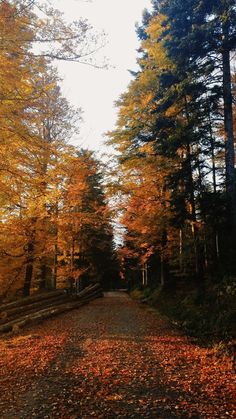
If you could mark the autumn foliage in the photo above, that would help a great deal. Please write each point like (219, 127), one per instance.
(175, 155)
(54, 219)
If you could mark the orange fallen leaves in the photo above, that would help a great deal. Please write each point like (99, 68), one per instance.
(113, 361)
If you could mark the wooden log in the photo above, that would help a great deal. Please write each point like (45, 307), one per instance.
(48, 312)
(43, 316)
(32, 299)
(16, 311)
(89, 289)
(40, 297)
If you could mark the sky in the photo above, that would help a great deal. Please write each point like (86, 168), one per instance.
(96, 90)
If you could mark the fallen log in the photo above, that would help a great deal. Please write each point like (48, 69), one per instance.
(44, 315)
(40, 297)
(88, 290)
(31, 299)
(93, 292)
(16, 311)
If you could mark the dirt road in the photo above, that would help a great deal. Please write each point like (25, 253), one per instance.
(113, 358)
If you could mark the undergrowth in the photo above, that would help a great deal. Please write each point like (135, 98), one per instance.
(208, 314)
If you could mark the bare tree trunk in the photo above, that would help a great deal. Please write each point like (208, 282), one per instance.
(192, 200)
(30, 248)
(214, 183)
(55, 256)
(228, 126)
(181, 249)
(217, 246)
(144, 271)
(43, 273)
(162, 271)
(146, 274)
(193, 213)
(143, 277)
(213, 159)
(54, 273)
(29, 269)
(72, 257)
(204, 221)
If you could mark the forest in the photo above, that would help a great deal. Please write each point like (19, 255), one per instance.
(170, 187)
(55, 221)
(175, 177)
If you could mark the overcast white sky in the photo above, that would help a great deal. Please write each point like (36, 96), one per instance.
(93, 89)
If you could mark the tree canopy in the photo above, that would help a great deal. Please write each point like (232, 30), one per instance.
(175, 143)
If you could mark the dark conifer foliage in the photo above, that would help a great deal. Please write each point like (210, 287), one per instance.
(175, 130)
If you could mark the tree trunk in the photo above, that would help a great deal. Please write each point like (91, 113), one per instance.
(192, 200)
(146, 274)
(212, 148)
(55, 261)
(43, 274)
(228, 126)
(143, 276)
(193, 213)
(29, 269)
(162, 272)
(72, 257)
(181, 250)
(55, 256)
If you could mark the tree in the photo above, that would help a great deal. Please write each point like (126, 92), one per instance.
(47, 35)
(146, 216)
(85, 242)
(174, 104)
(36, 121)
(203, 33)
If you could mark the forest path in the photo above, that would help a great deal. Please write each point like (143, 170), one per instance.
(113, 358)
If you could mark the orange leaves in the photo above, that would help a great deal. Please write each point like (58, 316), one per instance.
(40, 175)
(147, 211)
(115, 358)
